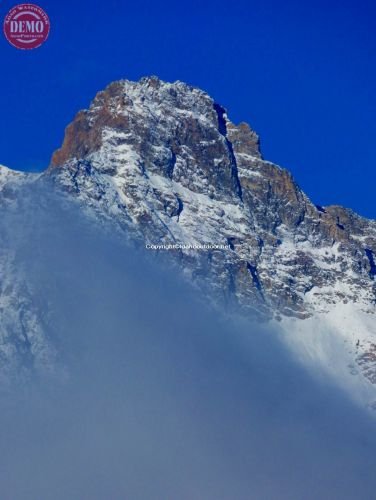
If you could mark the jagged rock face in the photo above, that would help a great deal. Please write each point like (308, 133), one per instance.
(172, 131)
(165, 161)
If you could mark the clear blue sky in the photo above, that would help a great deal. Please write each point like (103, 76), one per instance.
(303, 74)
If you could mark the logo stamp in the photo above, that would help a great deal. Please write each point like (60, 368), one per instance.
(26, 26)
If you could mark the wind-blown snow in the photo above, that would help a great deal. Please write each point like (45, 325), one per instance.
(160, 397)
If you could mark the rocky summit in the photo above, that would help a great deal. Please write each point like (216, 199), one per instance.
(164, 163)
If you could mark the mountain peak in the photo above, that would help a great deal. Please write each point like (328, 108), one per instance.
(180, 170)
(126, 106)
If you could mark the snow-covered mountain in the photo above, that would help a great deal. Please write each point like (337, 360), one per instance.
(164, 164)
(24, 337)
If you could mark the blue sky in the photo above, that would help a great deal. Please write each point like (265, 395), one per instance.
(303, 74)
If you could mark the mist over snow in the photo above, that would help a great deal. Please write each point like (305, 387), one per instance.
(149, 393)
